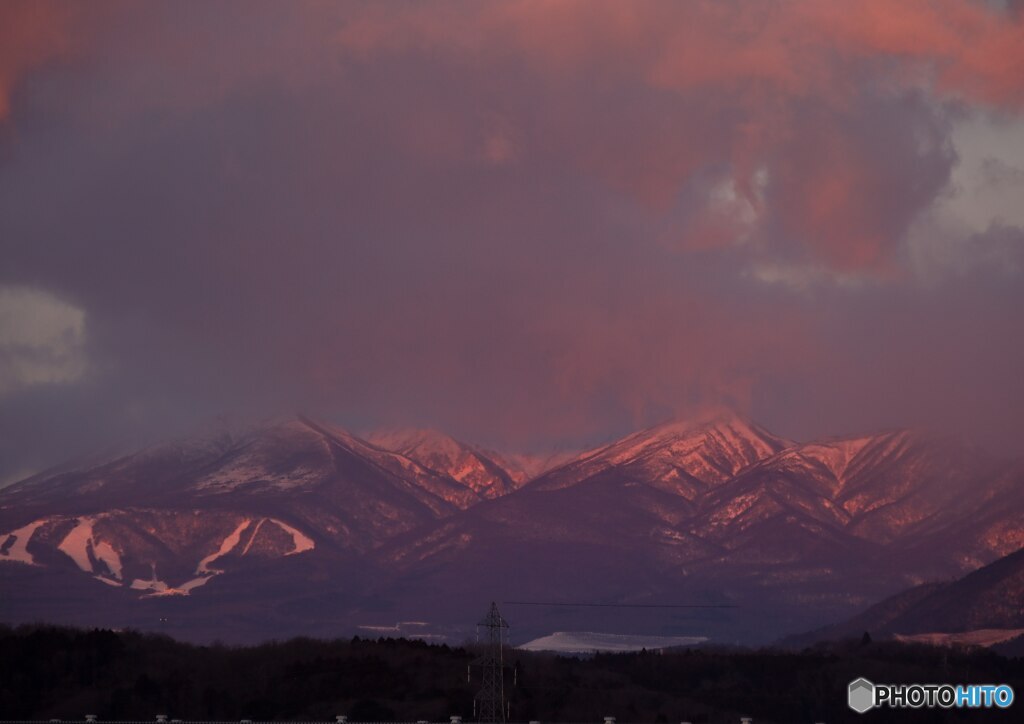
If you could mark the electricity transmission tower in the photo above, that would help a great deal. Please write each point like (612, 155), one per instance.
(489, 703)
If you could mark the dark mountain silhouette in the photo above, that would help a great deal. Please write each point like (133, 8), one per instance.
(988, 599)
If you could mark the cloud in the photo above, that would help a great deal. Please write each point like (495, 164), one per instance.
(999, 249)
(518, 221)
(840, 108)
(999, 174)
(42, 340)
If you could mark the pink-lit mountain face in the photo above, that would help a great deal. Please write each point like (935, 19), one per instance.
(301, 527)
(488, 474)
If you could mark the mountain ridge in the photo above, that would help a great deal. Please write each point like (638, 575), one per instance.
(717, 509)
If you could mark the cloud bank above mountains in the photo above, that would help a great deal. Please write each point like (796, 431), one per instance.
(529, 223)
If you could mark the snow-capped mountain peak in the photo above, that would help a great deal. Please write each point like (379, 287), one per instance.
(724, 433)
(297, 505)
(682, 456)
(484, 473)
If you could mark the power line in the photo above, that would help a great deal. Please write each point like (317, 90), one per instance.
(620, 605)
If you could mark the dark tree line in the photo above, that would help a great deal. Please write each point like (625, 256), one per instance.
(48, 672)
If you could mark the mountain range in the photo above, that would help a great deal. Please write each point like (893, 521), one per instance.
(714, 527)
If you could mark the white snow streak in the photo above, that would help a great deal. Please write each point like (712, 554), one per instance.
(578, 642)
(81, 541)
(301, 541)
(87, 551)
(76, 544)
(252, 538)
(226, 546)
(105, 553)
(183, 590)
(19, 549)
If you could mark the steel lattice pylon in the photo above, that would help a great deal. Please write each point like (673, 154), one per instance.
(489, 703)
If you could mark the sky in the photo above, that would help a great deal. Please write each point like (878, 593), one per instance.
(533, 224)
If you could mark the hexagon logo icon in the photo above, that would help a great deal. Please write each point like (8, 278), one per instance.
(861, 695)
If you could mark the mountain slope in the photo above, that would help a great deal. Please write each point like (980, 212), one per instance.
(991, 597)
(724, 511)
(486, 474)
(296, 453)
(682, 458)
(168, 519)
(903, 491)
(157, 552)
(334, 532)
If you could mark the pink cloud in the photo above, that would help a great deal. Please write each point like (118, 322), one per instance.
(31, 34)
(737, 79)
(516, 220)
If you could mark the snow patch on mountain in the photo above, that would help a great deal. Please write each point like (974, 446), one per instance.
(256, 460)
(105, 553)
(83, 547)
(157, 588)
(247, 472)
(90, 547)
(17, 549)
(75, 544)
(205, 571)
(687, 440)
(252, 538)
(684, 458)
(226, 546)
(485, 474)
(836, 455)
(524, 467)
(300, 540)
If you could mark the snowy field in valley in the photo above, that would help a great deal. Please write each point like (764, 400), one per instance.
(584, 642)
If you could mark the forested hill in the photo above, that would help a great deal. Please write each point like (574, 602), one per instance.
(48, 672)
